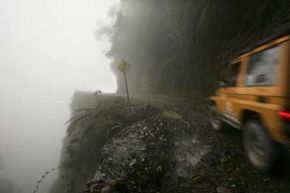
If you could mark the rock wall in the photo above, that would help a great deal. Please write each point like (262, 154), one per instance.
(180, 47)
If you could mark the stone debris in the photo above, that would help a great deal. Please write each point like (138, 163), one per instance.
(140, 149)
(223, 190)
(143, 156)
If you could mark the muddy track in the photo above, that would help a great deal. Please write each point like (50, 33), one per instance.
(185, 105)
(159, 144)
(225, 165)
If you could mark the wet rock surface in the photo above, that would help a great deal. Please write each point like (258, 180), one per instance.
(175, 150)
(144, 158)
(161, 147)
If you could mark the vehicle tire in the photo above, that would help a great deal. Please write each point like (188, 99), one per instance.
(261, 150)
(215, 118)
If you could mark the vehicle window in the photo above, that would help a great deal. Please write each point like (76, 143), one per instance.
(234, 73)
(261, 69)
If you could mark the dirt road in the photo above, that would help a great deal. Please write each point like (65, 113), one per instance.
(225, 164)
(158, 144)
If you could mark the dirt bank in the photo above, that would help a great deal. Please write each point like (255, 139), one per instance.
(160, 144)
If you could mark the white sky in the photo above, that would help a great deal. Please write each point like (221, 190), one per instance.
(47, 51)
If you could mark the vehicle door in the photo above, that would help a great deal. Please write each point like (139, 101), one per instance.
(231, 94)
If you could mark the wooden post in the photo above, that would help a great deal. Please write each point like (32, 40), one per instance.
(127, 89)
(124, 68)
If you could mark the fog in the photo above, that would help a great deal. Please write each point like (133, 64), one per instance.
(47, 51)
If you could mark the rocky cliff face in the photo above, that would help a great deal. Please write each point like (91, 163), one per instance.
(180, 47)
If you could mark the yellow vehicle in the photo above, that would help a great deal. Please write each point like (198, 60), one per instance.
(255, 97)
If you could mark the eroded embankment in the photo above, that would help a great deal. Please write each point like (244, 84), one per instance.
(163, 145)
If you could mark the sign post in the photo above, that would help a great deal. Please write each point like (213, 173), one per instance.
(124, 68)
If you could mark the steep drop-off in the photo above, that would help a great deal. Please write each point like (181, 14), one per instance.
(181, 47)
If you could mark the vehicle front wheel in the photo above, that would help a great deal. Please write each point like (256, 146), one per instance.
(261, 150)
(215, 119)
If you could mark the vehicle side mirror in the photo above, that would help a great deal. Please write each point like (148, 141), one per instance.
(222, 84)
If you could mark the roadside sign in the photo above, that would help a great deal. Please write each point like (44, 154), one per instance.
(124, 68)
